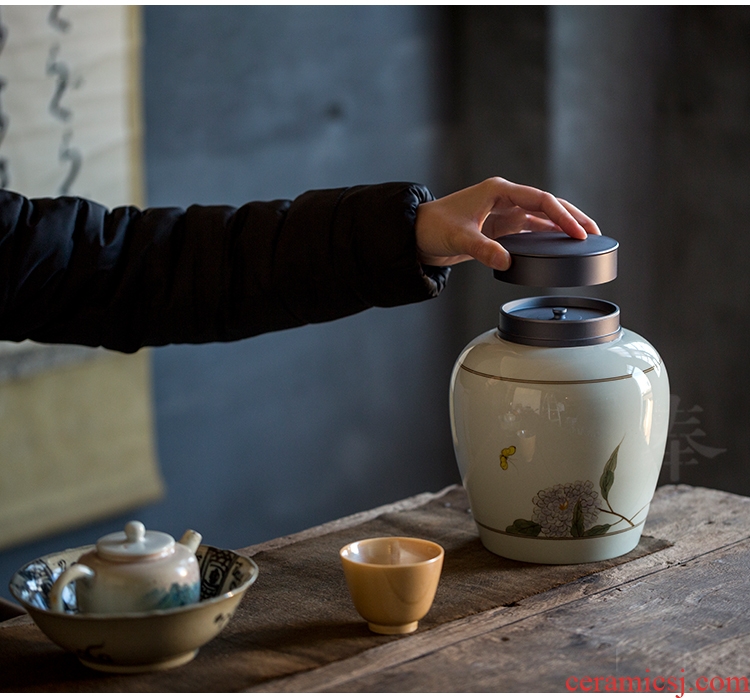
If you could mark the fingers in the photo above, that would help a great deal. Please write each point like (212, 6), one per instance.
(490, 253)
(539, 224)
(567, 217)
(588, 224)
(516, 221)
(549, 205)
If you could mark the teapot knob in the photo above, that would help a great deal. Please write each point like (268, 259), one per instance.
(135, 531)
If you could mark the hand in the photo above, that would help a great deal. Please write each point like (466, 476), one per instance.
(464, 225)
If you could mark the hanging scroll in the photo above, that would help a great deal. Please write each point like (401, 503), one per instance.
(76, 439)
(68, 102)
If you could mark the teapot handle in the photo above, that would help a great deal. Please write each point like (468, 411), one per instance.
(70, 575)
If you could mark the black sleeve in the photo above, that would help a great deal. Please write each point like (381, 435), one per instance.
(72, 271)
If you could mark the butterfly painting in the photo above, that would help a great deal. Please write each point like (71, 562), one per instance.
(504, 455)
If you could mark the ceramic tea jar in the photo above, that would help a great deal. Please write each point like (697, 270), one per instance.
(133, 571)
(560, 415)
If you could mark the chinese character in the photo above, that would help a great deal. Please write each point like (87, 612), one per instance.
(64, 80)
(684, 430)
(4, 120)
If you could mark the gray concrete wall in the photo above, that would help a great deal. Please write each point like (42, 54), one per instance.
(650, 133)
(702, 290)
(283, 431)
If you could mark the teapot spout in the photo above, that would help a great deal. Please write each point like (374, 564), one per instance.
(191, 540)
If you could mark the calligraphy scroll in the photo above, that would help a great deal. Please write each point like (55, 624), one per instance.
(76, 434)
(68, 102)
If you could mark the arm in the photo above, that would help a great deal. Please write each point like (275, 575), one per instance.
(73, 272)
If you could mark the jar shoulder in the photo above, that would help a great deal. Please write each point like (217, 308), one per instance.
(491, 356)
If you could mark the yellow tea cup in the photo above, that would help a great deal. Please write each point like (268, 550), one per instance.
(392, 581)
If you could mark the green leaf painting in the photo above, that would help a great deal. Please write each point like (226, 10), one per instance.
(577, 527)
(608, 476)
(599, 530)
(607, 480)
(523, 527)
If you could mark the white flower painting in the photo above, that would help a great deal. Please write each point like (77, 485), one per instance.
(572, 509)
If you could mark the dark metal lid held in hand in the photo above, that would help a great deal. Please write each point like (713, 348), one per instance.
(559, 321)
(557, 260)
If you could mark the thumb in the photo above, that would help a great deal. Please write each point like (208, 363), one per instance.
(489, 252)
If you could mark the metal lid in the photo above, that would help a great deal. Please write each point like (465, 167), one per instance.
(559, 321)
(133, 543)
(554, 259)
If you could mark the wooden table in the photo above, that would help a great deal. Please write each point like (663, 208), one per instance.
(676, 615)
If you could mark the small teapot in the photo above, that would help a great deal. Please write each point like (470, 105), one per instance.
(133, 571)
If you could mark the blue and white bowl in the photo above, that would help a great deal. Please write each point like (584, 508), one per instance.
(135, 642)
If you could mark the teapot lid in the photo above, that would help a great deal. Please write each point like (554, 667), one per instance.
(133, 543)
(559, 321)
(554, 259)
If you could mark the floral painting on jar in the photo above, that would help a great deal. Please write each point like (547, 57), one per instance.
(572, 509)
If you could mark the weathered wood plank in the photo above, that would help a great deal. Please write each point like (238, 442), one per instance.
(667, 608)
(704, 524)
(676, 623)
